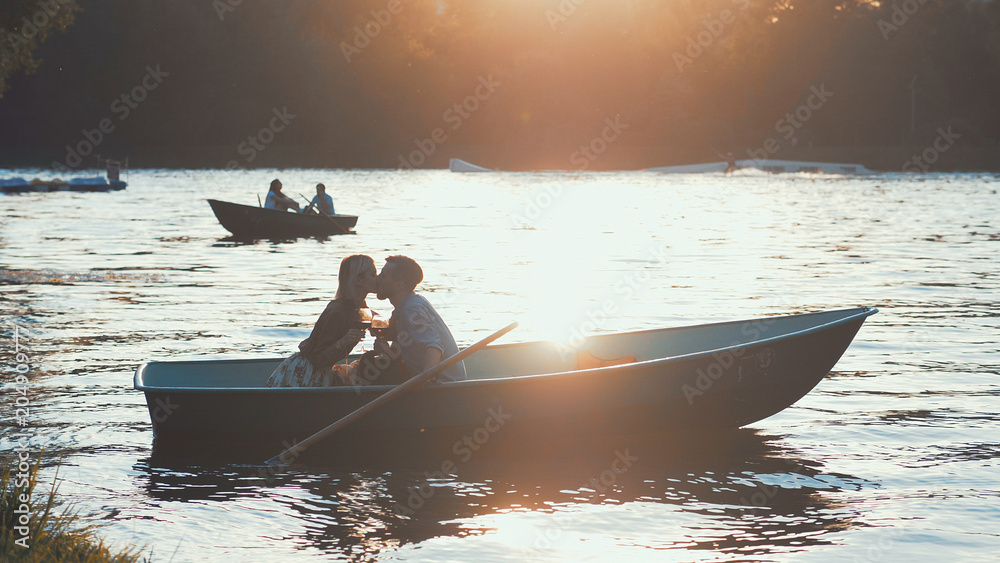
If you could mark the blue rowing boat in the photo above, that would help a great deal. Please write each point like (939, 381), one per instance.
(718, 375)
(246, 221)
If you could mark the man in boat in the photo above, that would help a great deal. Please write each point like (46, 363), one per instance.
(322, 202)
(419, 337)
(277, 200)
(114, 169)
(730, 163)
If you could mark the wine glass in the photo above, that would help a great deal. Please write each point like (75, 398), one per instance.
(378, 326)
(364, 323)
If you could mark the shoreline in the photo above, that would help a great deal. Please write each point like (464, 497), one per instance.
(515, 159)
(40, 525)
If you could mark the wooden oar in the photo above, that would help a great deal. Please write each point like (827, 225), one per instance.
(396, 392)
(319, 209)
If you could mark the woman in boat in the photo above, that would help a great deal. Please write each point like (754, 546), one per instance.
(336, 333)
(277, 200)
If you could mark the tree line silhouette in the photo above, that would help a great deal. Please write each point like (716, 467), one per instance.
(371, 81)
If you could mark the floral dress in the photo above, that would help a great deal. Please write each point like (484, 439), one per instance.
(320, 359)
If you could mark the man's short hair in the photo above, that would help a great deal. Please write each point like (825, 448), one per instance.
(407, 270)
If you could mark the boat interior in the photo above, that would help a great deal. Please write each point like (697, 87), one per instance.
(528, 358)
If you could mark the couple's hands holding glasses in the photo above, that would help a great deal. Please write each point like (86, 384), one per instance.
(376, 326)
(351, 338)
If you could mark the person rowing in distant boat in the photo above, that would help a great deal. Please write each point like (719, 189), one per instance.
(335, 334)
(730, 163)
(321, 201)
(277, 200)
(416, 339)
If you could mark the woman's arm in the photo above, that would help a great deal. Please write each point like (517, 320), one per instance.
(331, 339)
(339, 349)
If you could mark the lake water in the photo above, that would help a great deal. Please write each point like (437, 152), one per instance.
(893, 457)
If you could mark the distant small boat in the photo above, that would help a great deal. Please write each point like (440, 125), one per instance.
(459, 165)
(692, 168)
(718, 375)
(95, 184)
(774, 166)
(259, 222)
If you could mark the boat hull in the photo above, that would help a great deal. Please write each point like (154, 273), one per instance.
(773, 166)
(720, 387)
(89, 185)
(459, 165)
(246, 221)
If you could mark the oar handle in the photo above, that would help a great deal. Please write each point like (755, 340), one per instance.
(408, 385)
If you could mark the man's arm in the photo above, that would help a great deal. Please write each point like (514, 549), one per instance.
(308, 207)
(432, 357)
(424, 333)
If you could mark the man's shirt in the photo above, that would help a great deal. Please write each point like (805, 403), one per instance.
(419, 327)
(326, 205)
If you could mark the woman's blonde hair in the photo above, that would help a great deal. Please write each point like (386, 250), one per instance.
(350, 268)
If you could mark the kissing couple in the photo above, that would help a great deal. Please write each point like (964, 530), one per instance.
(415, 340)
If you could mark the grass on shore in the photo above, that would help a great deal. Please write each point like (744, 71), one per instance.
(55, 534)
